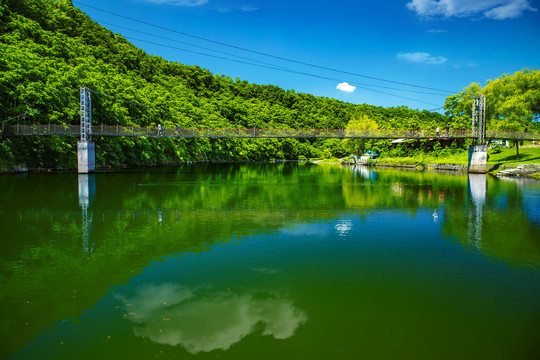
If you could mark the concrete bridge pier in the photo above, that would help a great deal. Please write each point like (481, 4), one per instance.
(477, 159)
(86, 157)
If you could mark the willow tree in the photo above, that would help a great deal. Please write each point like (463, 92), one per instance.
(359, 127)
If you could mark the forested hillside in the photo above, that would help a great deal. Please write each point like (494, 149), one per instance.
(49, 48)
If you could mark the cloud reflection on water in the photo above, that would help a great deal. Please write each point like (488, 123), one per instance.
(343, 227)
(204, 319)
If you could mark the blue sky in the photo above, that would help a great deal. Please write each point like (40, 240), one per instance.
(342, 49)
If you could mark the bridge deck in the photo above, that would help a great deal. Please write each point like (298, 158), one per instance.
(135, 131)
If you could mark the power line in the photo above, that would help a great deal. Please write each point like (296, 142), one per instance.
(363, 86)
(185, 43)
(269, 65)
(259, 52)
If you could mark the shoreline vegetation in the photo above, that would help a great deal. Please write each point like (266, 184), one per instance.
(500, 160)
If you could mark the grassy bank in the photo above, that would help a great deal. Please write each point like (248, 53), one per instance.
(497, 158)
(527, 155)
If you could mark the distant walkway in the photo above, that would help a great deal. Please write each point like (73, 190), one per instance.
(135, 131)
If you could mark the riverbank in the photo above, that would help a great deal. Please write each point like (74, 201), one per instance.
(501, 162)
(47, 154)
(528, 170)
(57, 155)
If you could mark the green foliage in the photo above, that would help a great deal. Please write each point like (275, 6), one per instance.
(459, 107)
(48, 49)
(513, 102)
(39, 152)
(356, 126)
(6, 154)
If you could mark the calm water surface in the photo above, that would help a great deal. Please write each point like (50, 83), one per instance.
(269, 261)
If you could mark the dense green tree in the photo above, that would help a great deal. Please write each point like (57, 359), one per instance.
(459, 107)
(358, 126)
(514, 100)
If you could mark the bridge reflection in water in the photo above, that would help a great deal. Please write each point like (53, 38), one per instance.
(476, 190)
(87, 195)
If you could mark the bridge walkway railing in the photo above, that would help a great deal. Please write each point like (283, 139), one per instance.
(136, 131)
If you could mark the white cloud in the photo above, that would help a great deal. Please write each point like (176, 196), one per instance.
(345, 87)
(437, 31)
(422, 58)
(468, 65)
(245, 8)
(248, 8)
(179, 2)
(494, 9)
(511, 10)
(202, 319)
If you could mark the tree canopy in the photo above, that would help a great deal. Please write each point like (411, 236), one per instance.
(513, 102)
(358, 146)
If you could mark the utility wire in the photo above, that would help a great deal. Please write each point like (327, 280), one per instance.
(259, 52)
(269, 65)
(363, 86)
(186, 43)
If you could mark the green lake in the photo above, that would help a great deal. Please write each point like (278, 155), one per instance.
(269, 261)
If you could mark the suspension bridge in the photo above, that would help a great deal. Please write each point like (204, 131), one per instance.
(36, 129)
(86, 130)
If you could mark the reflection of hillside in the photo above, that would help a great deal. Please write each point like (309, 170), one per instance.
(478, 218)
(140, 217)
(399, 190)
(496, 223)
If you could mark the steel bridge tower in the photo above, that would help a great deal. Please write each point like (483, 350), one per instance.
(478, 152)
(86, 149)
(479, 118)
